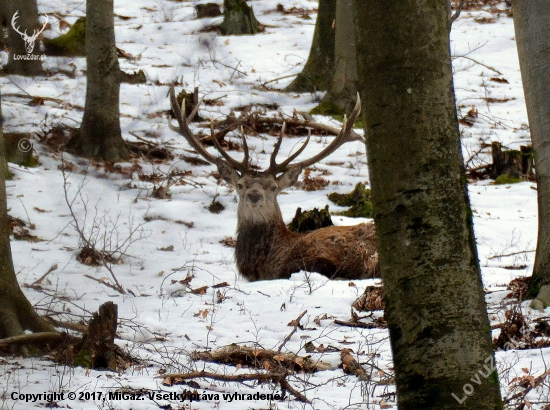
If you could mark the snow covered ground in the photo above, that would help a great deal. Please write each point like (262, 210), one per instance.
(161, 320)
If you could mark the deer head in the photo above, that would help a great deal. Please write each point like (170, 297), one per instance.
(29, 40)
(266, 249)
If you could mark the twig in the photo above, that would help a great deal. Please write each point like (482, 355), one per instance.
(503, 255)
(279, 78)
(296, 325)
(457, 13)
(105, 283)
(41, 278)
(533, 383)
(480, 63)
(67, 325)
(356, 324)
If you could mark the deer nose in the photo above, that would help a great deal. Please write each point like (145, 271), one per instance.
(254, 196)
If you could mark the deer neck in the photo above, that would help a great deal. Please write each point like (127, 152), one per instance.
(259, 235)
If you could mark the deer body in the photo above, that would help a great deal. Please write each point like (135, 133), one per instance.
(266, 248)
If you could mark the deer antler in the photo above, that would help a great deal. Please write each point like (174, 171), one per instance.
(25, 35)
(13, 19)
(179, 113)
(345, 135)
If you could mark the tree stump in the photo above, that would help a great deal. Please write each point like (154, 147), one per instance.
(514, 164)
(98, 349)
(238, 18)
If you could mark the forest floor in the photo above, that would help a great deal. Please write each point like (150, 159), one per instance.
(173, 258)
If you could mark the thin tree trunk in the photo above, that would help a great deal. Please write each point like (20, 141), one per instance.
(16, 312)
(26, 22)
(435, 307)
(317, 73)
(532, 24)
(99, 135)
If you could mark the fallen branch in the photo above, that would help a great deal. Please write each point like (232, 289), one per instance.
(530, 384)
(261, 358)
(172, 378)
(32, 339)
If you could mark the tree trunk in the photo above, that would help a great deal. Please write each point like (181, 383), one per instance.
(318, 71)
(238, 18)
(342, 92)
(26, 22)
(16, 312)
(99, 135)
(435, 307)
(532, 25)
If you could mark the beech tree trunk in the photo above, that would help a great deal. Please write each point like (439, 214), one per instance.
(532, 25)
(26, 22)
(99, 136)
(16, 312)
(317, 73)
(342, 91)
(435, 306)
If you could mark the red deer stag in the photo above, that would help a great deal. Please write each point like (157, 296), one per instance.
(266, 248)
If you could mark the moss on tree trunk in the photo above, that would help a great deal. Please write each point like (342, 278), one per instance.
(435, 306)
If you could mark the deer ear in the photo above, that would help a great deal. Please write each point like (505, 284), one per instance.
(227, 172)
(289, 177)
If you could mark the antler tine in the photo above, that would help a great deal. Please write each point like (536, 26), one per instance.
(179, 113)
(345, 135)
(240, 166)
(245, 148)
(272, 161)
(283, 165)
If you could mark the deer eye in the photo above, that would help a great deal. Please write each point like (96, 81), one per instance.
(240, 186)
(273, 187)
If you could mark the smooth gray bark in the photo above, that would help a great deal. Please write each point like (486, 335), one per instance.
(342, 92)
(532, 25)
(435, 307)
(99, 136)
(16, 312)
(26, 22)
(318, 70)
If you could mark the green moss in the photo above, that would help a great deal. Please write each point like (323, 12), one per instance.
(359, 201)
(332, 110)
(83, 359)
(310, 220)
(506, 179)
(70, 44)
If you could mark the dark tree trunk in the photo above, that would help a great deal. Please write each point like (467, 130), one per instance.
(435, 307)
(238, 18)
(318, 71)
(342, 92)
(99, 135)
(26, 22)
(16, 312)
(532, 24)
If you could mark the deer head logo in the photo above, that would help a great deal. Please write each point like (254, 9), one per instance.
(29, 40)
